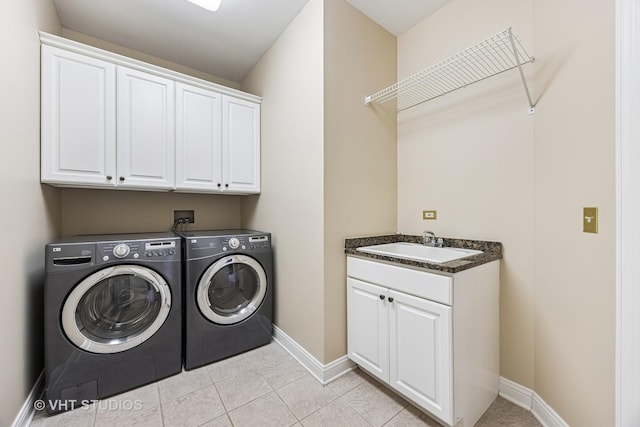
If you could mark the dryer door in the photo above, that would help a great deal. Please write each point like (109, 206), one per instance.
(231, 289)
(116, 308)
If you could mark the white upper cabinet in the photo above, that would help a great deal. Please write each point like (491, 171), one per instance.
(78, 119)
(217, 142)
(241, 145)
(111, 121)
(146, 130)
(198, 139)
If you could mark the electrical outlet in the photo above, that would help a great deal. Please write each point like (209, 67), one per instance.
(184, 215)
(429, 214)
(590, 220)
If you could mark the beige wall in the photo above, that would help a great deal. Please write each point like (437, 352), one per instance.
(359, 151)
(469, 155)
(574, 156)
(140, 56)
(328, 163)
(121, 211)
(289, 77)
(493, 172)
(30, 212)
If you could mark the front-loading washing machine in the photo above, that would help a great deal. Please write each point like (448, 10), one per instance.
(113, 315)
(228, 299)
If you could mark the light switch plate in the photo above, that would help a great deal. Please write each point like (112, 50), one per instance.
(590, 220)
(429, 214)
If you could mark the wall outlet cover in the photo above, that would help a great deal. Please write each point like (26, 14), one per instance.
(429, 214)
(590, 220)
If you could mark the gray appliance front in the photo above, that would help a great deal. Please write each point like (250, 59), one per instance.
(231, 289)
(116, 308)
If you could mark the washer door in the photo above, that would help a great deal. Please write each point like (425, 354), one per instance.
(231, 289)
(116, 308)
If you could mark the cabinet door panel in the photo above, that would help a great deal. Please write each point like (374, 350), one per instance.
(368, 327)
(198, 139)
(78, 119)
(146, 133)
(420, 356)
(241, 145)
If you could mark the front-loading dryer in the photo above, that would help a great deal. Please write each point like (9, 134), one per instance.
(228, 299)
(113, 317)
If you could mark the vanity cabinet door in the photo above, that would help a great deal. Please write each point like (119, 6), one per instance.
(420, 352)
(368, 327)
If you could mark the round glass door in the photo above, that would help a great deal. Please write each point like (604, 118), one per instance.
(116, 309)
(231, 289)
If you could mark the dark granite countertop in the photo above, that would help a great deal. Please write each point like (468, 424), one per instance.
(491, 251)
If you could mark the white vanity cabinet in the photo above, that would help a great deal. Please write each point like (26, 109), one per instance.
(433, 338)
(113, 122)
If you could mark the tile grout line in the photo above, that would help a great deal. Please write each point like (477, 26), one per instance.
(160, 403)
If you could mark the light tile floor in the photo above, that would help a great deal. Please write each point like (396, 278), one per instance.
(264, 387)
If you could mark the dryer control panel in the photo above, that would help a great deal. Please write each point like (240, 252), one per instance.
(197, 246)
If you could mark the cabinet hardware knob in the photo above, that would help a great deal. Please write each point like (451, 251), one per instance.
(381, 297)
(109, 177)
(390, 299)
(122, 178)
(219, 185)
(226, 185)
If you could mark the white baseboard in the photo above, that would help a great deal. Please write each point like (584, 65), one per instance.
(531, 401)
(24, 417)
(516, 394)
(323, 373)
(545, 413)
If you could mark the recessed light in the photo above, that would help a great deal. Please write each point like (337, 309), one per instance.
(211, 5)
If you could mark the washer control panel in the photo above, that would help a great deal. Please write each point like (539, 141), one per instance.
(138, 250)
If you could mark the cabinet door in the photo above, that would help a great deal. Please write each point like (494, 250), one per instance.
(420, 352)
(368, 327)
(198, 139)
(241, 145)
(146, 130)
(78, 119)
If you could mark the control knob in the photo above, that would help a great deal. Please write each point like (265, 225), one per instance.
(121, 250)
(234, 243)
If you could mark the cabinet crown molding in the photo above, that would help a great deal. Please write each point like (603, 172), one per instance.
(73, 46)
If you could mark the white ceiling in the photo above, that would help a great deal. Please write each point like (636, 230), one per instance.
(226, 43)
(397, 16)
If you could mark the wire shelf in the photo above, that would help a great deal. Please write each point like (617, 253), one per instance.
(495, 55)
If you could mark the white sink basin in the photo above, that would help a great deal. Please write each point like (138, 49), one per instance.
(418, 252)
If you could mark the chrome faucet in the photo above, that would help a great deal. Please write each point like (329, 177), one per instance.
(429, 239)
